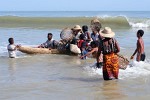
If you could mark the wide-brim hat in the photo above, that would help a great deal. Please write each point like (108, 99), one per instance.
(107, 32)
(94, 21)
(77, 27)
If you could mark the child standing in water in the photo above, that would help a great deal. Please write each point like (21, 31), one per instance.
(140, 47)
(11, 48)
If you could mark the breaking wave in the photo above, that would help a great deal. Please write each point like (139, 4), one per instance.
(57, 22)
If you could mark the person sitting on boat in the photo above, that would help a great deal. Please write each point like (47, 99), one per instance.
(12, 48)
(86, 33)
(77, 31)
(50, 43)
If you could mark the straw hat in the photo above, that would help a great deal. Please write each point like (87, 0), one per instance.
(94, 21)
(107, 32)
(77, 27)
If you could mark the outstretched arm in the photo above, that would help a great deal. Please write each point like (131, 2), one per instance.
(134, 51)
(98, 54)
(93, 50)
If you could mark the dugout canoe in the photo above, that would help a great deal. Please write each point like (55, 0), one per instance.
(32, 50)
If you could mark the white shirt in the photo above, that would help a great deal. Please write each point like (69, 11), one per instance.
(11, 50)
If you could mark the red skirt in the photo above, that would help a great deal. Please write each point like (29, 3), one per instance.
(110, 67)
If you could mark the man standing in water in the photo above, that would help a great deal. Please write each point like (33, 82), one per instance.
(140, 47)
(12, 48)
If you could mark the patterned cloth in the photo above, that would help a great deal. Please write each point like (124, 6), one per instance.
(110, 67)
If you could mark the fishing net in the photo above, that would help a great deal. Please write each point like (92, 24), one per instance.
(123, 62)
(66, 34)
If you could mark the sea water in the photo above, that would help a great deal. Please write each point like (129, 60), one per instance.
(64, 77)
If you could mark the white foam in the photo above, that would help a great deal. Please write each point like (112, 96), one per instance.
(138, 25)
(138, 22)
(105, 16)
(139, 69)
(92, 70)
(133, 22)
(108, 16)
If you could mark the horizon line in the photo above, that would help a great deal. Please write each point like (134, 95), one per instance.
(72, 10)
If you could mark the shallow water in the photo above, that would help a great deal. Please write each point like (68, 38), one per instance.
(63, 77)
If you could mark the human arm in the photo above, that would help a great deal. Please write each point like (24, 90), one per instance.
(88, 36)
(133, 54)
(43, 45)
(12, 47)
(98, 54)
(117, 47)
(93, 50)
(136, 50)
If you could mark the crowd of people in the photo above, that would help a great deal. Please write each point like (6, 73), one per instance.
(101, 44)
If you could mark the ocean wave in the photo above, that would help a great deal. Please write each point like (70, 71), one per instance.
(61, 22)
(124, 20)
(138, 69)
(139, 25)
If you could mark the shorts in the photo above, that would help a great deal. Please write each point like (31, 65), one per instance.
(143, 56)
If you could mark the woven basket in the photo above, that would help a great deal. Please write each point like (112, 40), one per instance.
(123, 62)
(66, 34)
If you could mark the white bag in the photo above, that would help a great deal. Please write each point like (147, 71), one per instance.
(74, 48)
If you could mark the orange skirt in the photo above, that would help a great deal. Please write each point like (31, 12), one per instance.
(110, 67)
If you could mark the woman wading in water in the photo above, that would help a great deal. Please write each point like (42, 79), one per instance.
(109, 48)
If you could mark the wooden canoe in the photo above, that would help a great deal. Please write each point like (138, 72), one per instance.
(32, 50)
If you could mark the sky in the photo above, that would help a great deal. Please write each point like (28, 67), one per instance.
(74, 5)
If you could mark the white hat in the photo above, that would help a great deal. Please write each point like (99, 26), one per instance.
(107, 32)
(77, 27)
